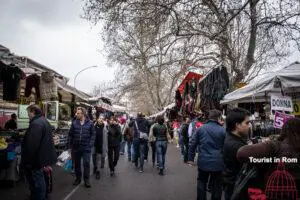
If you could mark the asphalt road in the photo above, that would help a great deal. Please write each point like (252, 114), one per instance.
(179, 182)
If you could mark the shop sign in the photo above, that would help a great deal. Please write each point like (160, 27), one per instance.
(281, 103)
(281, 119)
(296, 110)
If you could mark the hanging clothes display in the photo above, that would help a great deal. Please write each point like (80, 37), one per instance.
(178, 100)
(33, 81)
(11, 77)
(193, 94)
(48, 88)
(213, 88)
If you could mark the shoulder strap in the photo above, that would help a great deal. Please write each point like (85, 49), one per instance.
(137, 127)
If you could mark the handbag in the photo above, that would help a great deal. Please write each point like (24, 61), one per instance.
(143, 135)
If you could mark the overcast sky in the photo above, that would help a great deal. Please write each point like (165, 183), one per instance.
(53, 34)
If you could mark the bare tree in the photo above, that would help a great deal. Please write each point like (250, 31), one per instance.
(243, 35)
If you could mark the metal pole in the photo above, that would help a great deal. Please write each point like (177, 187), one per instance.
(80, 72)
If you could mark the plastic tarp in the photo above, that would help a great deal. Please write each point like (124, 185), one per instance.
(163, 111)
(117, 108)
(262, 89)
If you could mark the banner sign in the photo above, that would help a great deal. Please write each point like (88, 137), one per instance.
(281, 119)
(281, 103)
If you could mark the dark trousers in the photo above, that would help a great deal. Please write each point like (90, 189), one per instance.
(141, 152)
(129, 144)
(216, 181)
(185, 151)
(153, 147)
(84, 155)
(37, 185)
(113, 156)
(228, 190)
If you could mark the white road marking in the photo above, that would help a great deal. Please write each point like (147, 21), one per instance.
(77, 187)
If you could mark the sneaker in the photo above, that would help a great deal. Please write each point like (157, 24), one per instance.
(87, 184)
(177, 146)
(141, 170)
(77, 182)
(98, 175)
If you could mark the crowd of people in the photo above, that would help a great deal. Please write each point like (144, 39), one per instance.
(220, 144)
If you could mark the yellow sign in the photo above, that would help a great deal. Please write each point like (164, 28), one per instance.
(296, 109)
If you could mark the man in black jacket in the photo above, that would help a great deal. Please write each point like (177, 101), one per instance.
(38, 151)
(237, 124)
(12, 123)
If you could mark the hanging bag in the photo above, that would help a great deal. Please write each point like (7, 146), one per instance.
(143, 135)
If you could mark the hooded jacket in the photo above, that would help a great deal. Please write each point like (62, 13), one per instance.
(114, 135)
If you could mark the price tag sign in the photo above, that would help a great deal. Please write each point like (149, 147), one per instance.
(296, 110)
(281, 119)
(282, 103)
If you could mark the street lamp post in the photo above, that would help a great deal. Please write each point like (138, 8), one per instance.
(80, 72)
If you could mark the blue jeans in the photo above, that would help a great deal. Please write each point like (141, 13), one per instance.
(84, 154)
(37, 185)
(161, 148)
(122, 147)
(140, 152)
(129, 150)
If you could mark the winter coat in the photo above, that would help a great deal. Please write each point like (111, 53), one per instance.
(114, 135)
(143, 126)
(232, 165)
(209, 139)
(82, 136)
(101, 138)
(37, 147)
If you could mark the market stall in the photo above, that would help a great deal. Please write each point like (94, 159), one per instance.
(272, 99)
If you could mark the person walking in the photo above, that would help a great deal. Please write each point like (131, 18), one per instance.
(237, 125)
(38, 151)
(128, 138)
(160, 132)
(122, 122)
(81, 140)
(152, 141)
(100, 145)
(185, 138)
(140, 140)
(114, 136)
(210, 141)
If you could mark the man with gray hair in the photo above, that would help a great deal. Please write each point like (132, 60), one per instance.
(209, 139)
(81, 141)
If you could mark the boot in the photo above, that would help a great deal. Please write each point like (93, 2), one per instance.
(98, 175)
(87, 184)
(77, 182)
(161, 172)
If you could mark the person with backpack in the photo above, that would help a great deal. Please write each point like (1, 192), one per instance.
(81, 140)
(38, 153)
(237, 125)
(209, 139)
(160, 132)
(286, 146)
(114, 138)
(185, 138)
(100, 145)
(141, 129)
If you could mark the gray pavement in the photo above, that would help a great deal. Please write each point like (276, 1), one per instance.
(178, 183)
